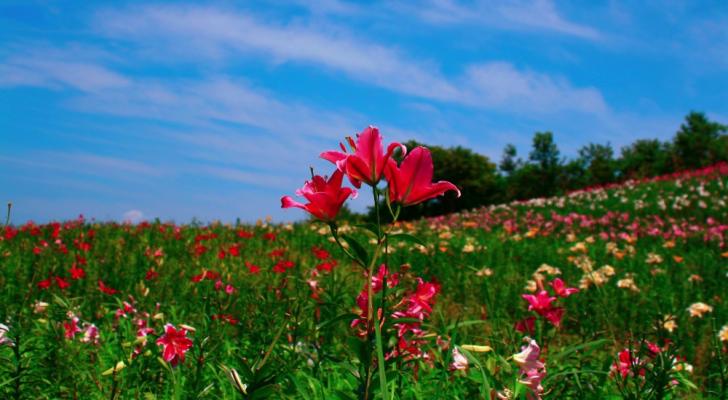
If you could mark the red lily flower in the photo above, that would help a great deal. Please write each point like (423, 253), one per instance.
(325, 197)
(106, 289)
(62, 283)
(151, 274)
(526, 325)
(77, 273)
(176, 344)
(320, 253)
(245, 234)
(44, 284)
(254, 269)
(326, 266)
(71, 328)
(368, 161)
(626, 363)
(411, 182)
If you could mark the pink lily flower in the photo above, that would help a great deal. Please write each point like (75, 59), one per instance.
(411, 183)
(554, 315)
(532, 370)
(90, 334)
(325, 197)
(540, 303)
(175, 343)
(527, 359)
(560, 288)
(459, 361)
(368, 161)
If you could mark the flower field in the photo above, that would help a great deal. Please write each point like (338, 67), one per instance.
(612, 292)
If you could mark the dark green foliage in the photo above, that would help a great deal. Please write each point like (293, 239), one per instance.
(598, 160)
(645, 158)
(509, 163)
(697, 143)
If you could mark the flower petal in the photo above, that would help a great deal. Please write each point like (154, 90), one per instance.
(288, 202)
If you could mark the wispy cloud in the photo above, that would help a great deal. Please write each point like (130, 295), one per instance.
(209, 101)
(500, 85)
(218, 33)
(43, 66)
(85, 163)
(251, 178)
(519, 15)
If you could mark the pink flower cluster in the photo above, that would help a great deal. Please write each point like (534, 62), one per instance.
(414, 308)
(542, 303)
(90, 333)
(409, 183)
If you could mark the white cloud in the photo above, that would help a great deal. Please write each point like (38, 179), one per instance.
(133, 216)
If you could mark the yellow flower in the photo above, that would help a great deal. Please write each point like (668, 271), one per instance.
(579, 247)
(628, 283)
(699, 309)
(668, 322)
(723, 334)
(653, 258)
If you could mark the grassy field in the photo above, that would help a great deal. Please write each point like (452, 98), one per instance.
(280, 311)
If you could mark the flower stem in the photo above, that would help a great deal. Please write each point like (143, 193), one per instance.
(372, 314)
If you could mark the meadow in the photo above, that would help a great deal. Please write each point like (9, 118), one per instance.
(608, 292)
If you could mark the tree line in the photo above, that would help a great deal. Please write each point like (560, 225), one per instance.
(544, 172)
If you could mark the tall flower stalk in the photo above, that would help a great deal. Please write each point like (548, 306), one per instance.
(409, 183)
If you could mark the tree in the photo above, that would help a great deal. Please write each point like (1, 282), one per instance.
(696, 144)
(573, 175)
(598, 159)
(545, 153)
(645, 158)
(545, 156)
(508, 162)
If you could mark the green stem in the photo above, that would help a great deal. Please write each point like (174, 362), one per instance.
(18, 367)
(372, 314)
(270, 348)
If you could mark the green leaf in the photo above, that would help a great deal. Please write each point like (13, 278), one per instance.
(369, 228)
(359, 250)
(406, 237)
(486, 389)
(327, 323)
(465, 323)
(572, 349)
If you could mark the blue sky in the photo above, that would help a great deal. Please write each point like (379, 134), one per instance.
(215, 110)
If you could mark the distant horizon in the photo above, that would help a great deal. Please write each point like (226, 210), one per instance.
(215, 110)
